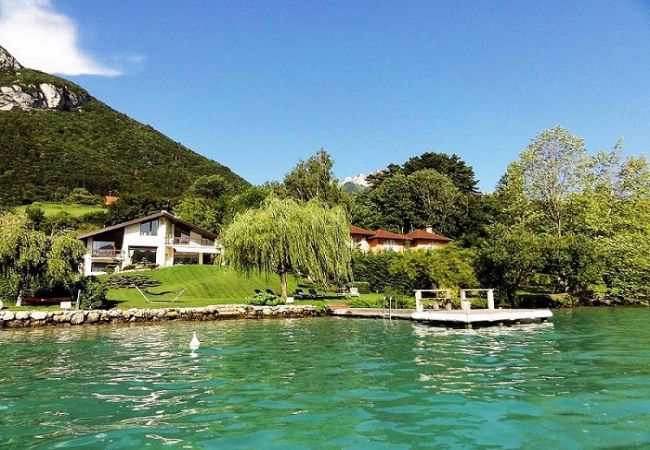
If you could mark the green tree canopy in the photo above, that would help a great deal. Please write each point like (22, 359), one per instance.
(452, 166)
(284, 236)
(568, 216)
(404, 202)
(314, 179)
(553, 166)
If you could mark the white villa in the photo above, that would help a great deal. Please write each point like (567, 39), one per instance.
(160, 239)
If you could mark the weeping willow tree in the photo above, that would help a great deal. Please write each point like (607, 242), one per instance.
(286, 237)
(29, 258)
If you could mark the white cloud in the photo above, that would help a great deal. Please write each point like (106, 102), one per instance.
(41, 38)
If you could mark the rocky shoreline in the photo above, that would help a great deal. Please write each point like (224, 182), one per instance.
(22, 319)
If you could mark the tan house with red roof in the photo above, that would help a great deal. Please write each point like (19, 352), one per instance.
(381, 240)
(385, 240)
(425, 240)
(359, 237)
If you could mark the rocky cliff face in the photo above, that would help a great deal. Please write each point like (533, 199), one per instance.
(20, 88)
(8, 62)
(41, 96)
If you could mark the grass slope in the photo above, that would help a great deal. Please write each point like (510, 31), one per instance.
(49, 152)
(206, 285)
(52, 209)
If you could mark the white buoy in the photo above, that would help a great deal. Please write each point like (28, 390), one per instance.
(194, 343)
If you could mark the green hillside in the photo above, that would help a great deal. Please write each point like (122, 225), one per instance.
(52, 208)
(48, 152)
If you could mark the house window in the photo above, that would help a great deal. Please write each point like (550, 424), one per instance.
(181, 235)
(102, 267)
(149, 228)
(390, 243)
(144, 255)
(186, 258)
(97, 245)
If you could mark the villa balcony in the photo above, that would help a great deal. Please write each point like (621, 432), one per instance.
(107, 253)
(189, 242)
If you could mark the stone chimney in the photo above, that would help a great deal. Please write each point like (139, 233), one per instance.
(429, 229)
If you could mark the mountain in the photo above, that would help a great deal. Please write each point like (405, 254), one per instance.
(354, 184)
(55, 136)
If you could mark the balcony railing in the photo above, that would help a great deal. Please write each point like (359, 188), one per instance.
(107, 253)
(188, 241)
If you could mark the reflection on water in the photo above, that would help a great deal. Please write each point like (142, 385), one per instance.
(461, 361)
(582, 381)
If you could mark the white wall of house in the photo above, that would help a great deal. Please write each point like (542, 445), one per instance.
(360, 243)
(133, 238)
(427, 245)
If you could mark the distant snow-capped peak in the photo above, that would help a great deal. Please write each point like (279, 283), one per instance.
(359, 180)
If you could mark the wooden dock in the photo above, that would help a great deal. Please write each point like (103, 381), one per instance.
(451, 318)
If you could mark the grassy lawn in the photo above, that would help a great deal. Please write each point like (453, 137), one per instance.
(52, 209)
(206, 285)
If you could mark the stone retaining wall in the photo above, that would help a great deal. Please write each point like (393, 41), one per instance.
(18, 319)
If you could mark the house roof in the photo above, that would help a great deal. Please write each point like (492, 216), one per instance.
(383, 234)
(169, 216)
(359, 230)
(426, 236)
(109, 199)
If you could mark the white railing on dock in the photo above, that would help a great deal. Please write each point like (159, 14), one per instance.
(419, 306)
(465, 304)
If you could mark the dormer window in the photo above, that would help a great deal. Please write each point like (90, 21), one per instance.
(149, 228)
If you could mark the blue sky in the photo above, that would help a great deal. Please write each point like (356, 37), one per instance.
(258, 85)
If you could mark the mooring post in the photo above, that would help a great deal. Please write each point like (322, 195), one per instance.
(418, 301)
(490, 298)
(464, 304)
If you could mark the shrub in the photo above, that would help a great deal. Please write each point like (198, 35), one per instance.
(398, 302)
(365, 302)
(93, 293)
(8, 291)
(131, 281)
(83, 197)
(97, 218)
(265, 300)
(447, 267)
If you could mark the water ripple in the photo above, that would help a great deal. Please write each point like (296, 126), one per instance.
(582, 381)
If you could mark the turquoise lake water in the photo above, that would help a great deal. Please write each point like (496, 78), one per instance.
(582, 381)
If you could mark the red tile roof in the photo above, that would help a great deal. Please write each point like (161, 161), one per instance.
(383, 234)
(426, 236)
(109, 199)
(359, 230)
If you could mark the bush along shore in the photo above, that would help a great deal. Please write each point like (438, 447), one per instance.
(20, 319)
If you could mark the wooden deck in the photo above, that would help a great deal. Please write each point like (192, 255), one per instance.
(451, 318)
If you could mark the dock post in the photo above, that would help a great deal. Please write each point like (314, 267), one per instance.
(490, 298)
(464, 304)
(418, 301)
